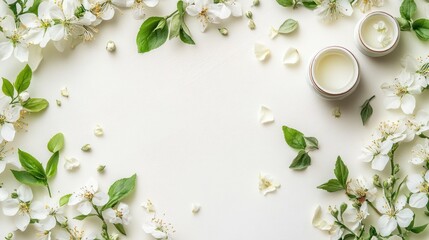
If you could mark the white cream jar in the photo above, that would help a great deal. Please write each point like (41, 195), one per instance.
(333, 73)
(377, 34)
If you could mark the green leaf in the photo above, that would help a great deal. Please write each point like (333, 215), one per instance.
(175, 24)
(312, 143)
(35, 7)
(56, 143)
(64, 199)
(288, 26)
(341, 172)
(418, 229)
(286, 3)
(349, 237)
(408, 9)
(309, 4)
(301, 161)
(120, 228)
(51, 166)
(404, 24)
(119, 190)
(294, 138)
(421, 27)
(332, 185)
(82, 217)
(23, 79)
(31, 165)
(35, 104)
(185, 35)
(152, 34)
(8, 88)
(27, 178)
(180, 7)
(343, 208)
(366, 110)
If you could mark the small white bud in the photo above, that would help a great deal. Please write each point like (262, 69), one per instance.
(195, 207)
(24, 96)
(111, 46)
(251, 24)
(98, 131)
(65, 92)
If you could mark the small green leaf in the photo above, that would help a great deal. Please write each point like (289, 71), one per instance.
(286, 3)
(119, 190)
(421, 27)
(343, 208)
(288, 26)
(404, 24)
(312, 143)
(309, 4)
(82, 217)
(185, 35)
(294, 138)
(8, 88)
(35, 104)
(52, 165)
(120, 228)
(180, 7)
(408, 9)
(301, 161)
(31, 165)
(27, 178)
(418, 229)
(23, 79)
(150, 36)
(64, 199)
(332, 185)
(366, 110)
(341, 172)
(56, 143)
(175, 24)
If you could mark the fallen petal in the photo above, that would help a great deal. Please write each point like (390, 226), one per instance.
(195, 208)
(261, 51)
(291, 56)
(273, 33)
(265, 115)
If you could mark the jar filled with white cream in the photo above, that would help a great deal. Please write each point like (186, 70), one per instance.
(377, 34)
(333, 73)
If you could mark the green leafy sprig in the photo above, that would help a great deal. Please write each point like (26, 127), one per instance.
(407, 23)
(296, 3)
(21, 84)
(366, 110)
(340, 181)
(155, 31)
(296, 140)
(34, 173)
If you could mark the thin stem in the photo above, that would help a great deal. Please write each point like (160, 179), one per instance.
(104, 227)
(49, 190)
(423, 136)
(346, 228)
(373, 208)
(399, 230)
(169, 16)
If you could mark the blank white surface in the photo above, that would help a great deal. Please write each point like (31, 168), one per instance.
(185, 119)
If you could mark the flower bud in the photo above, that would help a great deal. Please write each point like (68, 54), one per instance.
(251, 25)
(24, 96)
(256, 3)
(249, 14)
(376, 181)
(14, 195)
(223, 31)
(9, 236)
(114, 236)
(333, 211)
(110, 46)
(86, 148)
(396, 169)
(101, 168)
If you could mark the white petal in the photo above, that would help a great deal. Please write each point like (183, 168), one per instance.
(418, 200)
(138, 12)
(195, 208)
(71, 163)
(159, 235)
(30, 20)
(345, 7)
(110, 214)
(151, 3)
(235, 8)
(108, 13)
(265, 115)
(8, 132)
(393, 102)
(318, 221)
(75, 198)
(3, 194)
(22, 221)
(414, 182)
(404, 217)
(149, 227)
(21, 52)
(6, 50)
(56, 32)
(219, 10)
(291, 56)
(273, 33)
(400, 202)
(379, 162)
(192, 10)
(11, 207)
(100, 199)
(408, 104)
(38, 210)
(85, 208)
(25, 193)
(35, 57)
(386, 225)
(48, 223)
(261, 51)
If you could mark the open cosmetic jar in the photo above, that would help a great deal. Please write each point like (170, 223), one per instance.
(377, 34)
(333, 73)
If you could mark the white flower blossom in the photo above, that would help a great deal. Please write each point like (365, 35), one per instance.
(9, 114)
(234, 6)
(327, 223)
(420, 153)
(377, 154)
(88, 195)
(366, 5)
(208, 12)
(267, 184)
(120, 215)
(400, 93)
(71, 163)
(419, 187)
(393, 216)
(139, 7)
(353, 217)
(361, 189)
(21, 208)
(148, 206)
(331, 10)
(416, 125)
(13, 40)
(157, 228)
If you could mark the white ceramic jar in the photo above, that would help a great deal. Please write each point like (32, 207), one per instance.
(377, 34)
(333, 73)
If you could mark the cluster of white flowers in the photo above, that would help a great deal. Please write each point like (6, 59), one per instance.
(25, 25)
(209, 12)
(392, 133)
(413, 80)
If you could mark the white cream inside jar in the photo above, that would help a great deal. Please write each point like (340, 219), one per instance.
(378, 31)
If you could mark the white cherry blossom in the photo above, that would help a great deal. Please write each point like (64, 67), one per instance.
(88, 195)
(361, 189)
(353, 217)
(419, 187)
(208, 12)
(9, 114)
(118, 215)
(13, 40)
(267, 184)
(138, 7)
(331, 10)
(393, 216)
(420, 153)
(377, 154)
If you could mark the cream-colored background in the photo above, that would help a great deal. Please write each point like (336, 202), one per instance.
(185, 119)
